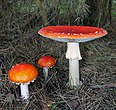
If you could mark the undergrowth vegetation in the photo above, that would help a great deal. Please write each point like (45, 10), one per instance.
(19, 42)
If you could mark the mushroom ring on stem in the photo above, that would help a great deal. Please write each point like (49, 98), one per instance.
(73, 35)
(46, 62)
(23, 74)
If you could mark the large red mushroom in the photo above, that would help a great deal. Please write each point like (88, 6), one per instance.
(73, 35)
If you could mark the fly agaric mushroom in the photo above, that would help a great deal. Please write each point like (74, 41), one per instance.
(23, 74)
(73, 35)
(46, 62)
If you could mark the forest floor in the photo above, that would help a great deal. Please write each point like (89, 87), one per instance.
(97, 69)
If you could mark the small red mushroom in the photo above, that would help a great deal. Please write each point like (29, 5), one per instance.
(23, 74)
(46, 62)
(73, 35)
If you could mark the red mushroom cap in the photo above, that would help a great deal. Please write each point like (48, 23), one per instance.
(72, 32)
(22, 73)
(46, 61)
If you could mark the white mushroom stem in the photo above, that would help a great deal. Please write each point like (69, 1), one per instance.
(73, 51)
(73, 54)
(24, 91)
(45, 71)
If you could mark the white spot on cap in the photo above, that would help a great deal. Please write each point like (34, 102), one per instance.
(17, 64)
(81, 34)
(32, 81)
(96, 32)
(68, 33)
(75, 34)
(17, 83)
(105, 31)
(28, 83)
